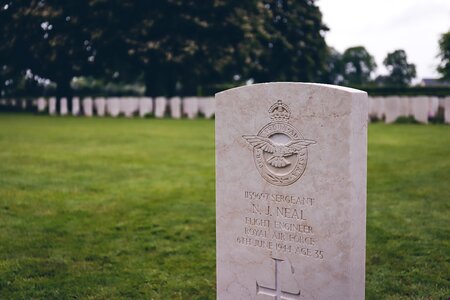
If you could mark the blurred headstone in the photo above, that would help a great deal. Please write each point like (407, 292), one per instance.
(447, 110)
(190, 107)
(420, 109)
(64, 109)
(113, 106)
(52, 106)
(160, 107)
(175, 107)
(41, 104)
(145, 106)
(75, 106)
(100, 106)
(87, 107)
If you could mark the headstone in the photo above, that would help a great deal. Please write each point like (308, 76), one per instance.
(145, 106)
(175, 107)
(206, 106)
(41, 104)
(291, 192)
(87, 106)
(100, 106)
(433, 106)
(160, 107)
(23, 104)
(420, 107)
(447, 110)
(129, 106)
(392, 109)
(405, 106)
(113, 106)
(64, 109)
(190, 107)
(75, 106)
(52, 106)
(373, 109)
(381, 108)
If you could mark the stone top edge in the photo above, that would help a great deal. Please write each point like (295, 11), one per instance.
(330, 86)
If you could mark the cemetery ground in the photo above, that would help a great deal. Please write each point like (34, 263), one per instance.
(104, 208)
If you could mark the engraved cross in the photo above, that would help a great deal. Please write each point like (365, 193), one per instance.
(276, 292)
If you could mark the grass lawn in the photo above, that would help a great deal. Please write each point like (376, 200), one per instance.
(124, 208)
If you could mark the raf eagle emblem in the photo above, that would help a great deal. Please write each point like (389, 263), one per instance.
(279, 150)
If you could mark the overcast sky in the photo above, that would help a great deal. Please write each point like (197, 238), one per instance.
(383, 26)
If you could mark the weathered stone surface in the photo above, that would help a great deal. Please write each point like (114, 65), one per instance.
(291, 192)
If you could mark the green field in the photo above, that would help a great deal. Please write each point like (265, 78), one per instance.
(124, 209)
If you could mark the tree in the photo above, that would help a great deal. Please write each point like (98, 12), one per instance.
(400, 71)
(178, 45)
(444, 54)
(294, 47)
(359, 66)
(334, 73)
(51, 40)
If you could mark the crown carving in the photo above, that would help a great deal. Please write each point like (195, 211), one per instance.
(279, 112)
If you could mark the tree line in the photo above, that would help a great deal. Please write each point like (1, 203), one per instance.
(180, 46)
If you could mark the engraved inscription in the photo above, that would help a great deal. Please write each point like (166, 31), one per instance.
(279, 223)
(277, 292)
(279, 150)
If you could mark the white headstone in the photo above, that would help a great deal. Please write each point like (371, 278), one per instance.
(393, 109)
(433, 106)
(190, 107)
(113, 106)
(420, 107)
(129, 106)
(100, 106)
(405, 106)
(145, 106)
(23, 104)
(52, 106)
(41, 104)
(447, 110)
(160, 107)
(75, 106)
(291, 192)
(175, 107)
(87, 106)
(206, 106)
(64, 109)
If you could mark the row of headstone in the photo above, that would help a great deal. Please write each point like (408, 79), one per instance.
(388, 109)
(160, 107)
(422, 109)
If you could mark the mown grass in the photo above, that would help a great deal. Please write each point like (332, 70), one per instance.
(124, 209)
